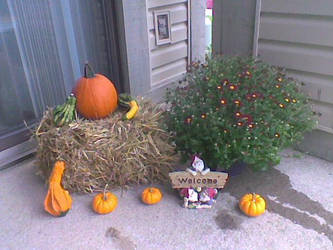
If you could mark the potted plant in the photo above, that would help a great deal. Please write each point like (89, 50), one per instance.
(237, 110)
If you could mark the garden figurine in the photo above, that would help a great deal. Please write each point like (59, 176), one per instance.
(191, 197)
(198, 165)
(198, 197)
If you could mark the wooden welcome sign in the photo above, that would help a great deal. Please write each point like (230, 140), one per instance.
(198, 185)
(183, 179)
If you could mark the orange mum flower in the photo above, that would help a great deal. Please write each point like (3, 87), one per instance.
(223, 101)
(188, 120)
(238, 102)
(233, 87)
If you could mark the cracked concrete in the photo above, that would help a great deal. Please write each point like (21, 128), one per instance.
(299, 194)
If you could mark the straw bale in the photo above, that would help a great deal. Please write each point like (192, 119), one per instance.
(107, 151)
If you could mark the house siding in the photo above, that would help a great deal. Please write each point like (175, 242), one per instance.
(298, 35)
(294, 34)
(168, 62)
(233, 27)
(149, 69)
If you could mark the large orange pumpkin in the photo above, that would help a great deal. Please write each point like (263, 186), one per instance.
(96, 96)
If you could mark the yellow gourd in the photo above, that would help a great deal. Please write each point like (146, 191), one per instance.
(134, 108)
(127, 101)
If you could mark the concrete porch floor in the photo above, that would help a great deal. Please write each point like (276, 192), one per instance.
(299, 194)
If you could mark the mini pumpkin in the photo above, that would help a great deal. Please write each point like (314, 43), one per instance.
(252, 204)
(151, 195)
(105, 202)
(58, 200)
(96, 96)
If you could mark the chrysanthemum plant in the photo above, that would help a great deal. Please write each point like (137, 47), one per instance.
(231, 109)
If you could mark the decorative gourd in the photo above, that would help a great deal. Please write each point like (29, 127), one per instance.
(151, 195)
(65, 113)
(96, 96)
(105, 202)
(58, 200)
(252, 204)
(134, 108)
(127, 101)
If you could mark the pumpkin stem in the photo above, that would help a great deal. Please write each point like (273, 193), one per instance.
(104, 192)
(88, 71)
(254, 196)
(151, 190)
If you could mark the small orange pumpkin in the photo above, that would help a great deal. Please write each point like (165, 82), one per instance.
(58, 200)
(96, 96)
(252, 204)
(151, 195)
(105, 202)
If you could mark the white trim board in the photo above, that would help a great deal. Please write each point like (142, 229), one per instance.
(256, 28)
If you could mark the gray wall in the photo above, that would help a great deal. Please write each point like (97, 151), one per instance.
(141, 58)
(198, 42)
(233, 26)
(298, 35)
(318, 143)
(169, 61)
(133, 32)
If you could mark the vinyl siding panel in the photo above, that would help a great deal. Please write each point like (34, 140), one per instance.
(326, 113)
(168, 54)
(163, 3)
(295, 28)
(298, 35)
(297, 56)
(172, 69)
(178, 34)
(321, 91)
(309, 7)
(168, 61)
(178, 14)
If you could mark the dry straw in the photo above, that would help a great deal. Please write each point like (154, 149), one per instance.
(107, 151)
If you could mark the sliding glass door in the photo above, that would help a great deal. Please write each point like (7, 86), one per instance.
(43, 45)
(16, 102)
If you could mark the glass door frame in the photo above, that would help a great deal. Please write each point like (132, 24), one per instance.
(19, 143)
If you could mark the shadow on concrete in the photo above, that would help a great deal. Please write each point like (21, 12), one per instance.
(282, 199)
(119, 240)
(227, 220)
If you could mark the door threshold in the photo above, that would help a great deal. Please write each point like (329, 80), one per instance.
(11, 156)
